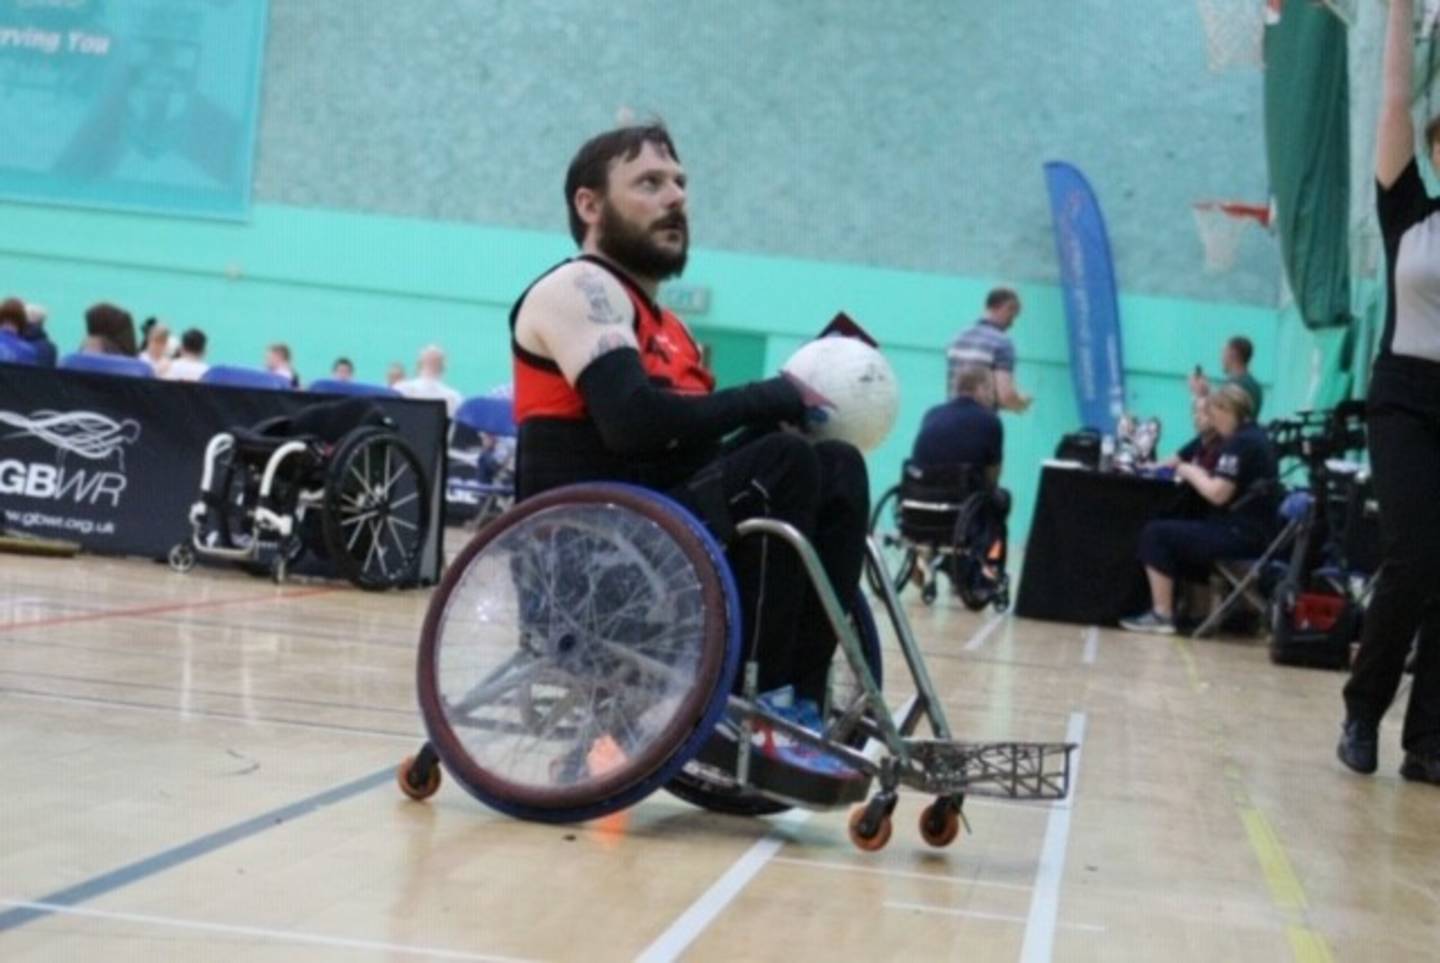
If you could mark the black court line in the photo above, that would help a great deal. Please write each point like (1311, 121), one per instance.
(97, 886)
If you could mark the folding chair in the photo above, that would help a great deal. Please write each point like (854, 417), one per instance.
(1297, 516)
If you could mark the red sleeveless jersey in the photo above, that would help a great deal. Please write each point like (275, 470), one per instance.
(668, 354)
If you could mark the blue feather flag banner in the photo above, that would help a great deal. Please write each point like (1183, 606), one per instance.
(1092, 309)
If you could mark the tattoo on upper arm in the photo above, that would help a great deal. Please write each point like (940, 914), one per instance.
(607, 343)
(599, 310)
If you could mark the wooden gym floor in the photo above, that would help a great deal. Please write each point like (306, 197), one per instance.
(200, 767)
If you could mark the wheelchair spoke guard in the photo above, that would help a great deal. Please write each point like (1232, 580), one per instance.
(377, 510)
(578, 652)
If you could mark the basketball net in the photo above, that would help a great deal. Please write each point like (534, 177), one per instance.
(1235, 31)
(1222, 227)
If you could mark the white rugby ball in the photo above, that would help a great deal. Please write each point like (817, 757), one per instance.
(857, 380)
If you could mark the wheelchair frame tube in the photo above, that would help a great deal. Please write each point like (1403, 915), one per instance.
(926, 701)
(849, 644)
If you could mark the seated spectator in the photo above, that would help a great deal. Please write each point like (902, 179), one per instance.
(427, 383)
(155, 346)
(109, 330)
(342, 370)
(277, 361)
(394, 374)
(964, 430)
(1204, 448)
(190, 364)
(14, 349)
(34, 333)
(1243, 490)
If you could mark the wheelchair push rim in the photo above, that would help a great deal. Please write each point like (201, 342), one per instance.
(578, 652)
(376, 516)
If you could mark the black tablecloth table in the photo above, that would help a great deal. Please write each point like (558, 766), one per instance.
(1080, 561)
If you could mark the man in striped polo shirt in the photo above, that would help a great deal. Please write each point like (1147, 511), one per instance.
(987, 345)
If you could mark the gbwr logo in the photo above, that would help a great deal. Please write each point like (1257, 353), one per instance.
(97, 441)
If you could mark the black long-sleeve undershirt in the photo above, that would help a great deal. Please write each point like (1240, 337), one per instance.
(635, 417)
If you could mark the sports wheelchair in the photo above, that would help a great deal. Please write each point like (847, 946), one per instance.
(946, 519)
(334, 480)
(583, 651)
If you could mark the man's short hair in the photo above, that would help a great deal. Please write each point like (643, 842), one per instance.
(590, 168)
(281, 349)
(345, 361)
(12, 314)
(999, 297)
(972, 379)
(193, 341)
(1243, 348)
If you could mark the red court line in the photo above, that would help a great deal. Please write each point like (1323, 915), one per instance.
(171, 607)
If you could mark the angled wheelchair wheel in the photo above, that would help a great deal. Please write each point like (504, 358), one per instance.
(716, 790)
(900, 556)
(376, 511)
(973, 535)
(578, 652)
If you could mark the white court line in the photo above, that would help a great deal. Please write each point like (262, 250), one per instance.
(691, 923)
(983, 633)
(977, 914)
(1092, 645)
(901, 874)
(1039, 943)
(282, 936)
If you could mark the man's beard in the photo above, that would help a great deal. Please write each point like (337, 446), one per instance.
(634, 248)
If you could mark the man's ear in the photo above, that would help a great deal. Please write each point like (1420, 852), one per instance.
(588, 203)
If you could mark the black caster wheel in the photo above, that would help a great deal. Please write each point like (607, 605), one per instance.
(940, 822)
(181, 558)
(419, 776)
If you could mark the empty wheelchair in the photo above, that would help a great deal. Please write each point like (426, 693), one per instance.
(334, 481)
(951, 520)
(584, 649)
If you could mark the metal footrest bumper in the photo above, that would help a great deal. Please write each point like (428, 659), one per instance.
(1008, 770)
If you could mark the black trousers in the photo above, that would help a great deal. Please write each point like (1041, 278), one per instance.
(821, 489)
(1182, 549)
(1405, 465)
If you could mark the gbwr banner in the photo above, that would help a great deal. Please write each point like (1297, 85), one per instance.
(1087, 276)
(115, 463)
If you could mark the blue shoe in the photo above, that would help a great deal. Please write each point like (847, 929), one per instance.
(780, 747)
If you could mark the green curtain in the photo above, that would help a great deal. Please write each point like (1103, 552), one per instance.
(1307, 141)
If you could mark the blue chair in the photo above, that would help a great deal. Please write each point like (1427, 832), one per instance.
(235, 376)
(491, 415)
(111, 364)
(334, 386)
(480, 479)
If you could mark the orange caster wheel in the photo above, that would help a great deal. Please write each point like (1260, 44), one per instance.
(940, 823)
(416, 782)
(869, 831)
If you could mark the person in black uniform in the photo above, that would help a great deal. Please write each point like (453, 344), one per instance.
(964, 430)
(1404, 441)
(610, 386)
(1243, 489)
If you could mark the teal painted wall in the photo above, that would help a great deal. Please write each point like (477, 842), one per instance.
(378, 288)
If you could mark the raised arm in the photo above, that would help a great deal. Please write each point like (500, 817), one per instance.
(1395, 138)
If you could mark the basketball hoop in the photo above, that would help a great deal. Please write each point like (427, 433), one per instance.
(1235, 30)
(1222, 226)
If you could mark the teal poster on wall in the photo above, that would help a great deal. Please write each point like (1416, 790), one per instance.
(139, 104)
